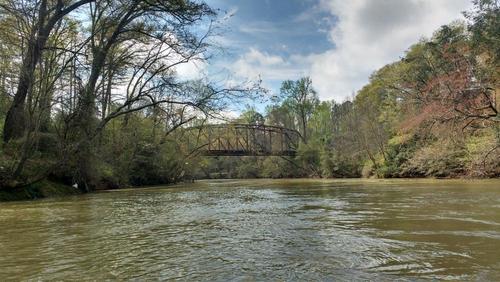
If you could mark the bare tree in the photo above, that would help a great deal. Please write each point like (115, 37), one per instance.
(42, 17)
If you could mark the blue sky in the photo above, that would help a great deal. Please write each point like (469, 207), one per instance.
(278, 27)
(338, 43)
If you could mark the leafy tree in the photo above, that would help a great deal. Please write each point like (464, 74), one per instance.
(302, 99)
(251, 116)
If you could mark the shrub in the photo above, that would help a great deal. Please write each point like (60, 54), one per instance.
(439, 159)
(482, 156)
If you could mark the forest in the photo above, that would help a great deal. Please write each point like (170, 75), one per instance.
(90, 96)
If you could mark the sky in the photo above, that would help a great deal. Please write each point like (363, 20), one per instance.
(338, 43)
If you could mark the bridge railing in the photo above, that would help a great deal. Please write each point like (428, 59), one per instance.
(242, 140)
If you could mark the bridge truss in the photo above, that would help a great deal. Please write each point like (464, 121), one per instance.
(242, 140)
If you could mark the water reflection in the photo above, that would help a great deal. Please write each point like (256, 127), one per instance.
(259, 230)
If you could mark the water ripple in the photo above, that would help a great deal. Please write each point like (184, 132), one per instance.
(257, 230)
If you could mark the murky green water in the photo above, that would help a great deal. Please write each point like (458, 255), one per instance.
(259, 230)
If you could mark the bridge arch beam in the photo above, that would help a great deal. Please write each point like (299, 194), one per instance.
(243, 140)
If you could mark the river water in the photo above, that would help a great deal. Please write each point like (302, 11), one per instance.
(259, 230)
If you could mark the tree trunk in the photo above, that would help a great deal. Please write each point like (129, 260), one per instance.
(45, 96)
(304, 128)
(85, 126)
(106, 99)
(15, 121)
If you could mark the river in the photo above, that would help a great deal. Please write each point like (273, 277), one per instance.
(248, 230)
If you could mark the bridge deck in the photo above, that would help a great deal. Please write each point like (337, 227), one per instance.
(222, 153)
(243, 140)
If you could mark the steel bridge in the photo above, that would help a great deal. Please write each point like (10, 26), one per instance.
(242, 140)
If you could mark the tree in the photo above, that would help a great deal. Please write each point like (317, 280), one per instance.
(48, 15)
(302, 99)
(251, 116)
(280, 115)
(165, 27)
(120, 65)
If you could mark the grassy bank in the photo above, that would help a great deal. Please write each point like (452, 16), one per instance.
(39, 190)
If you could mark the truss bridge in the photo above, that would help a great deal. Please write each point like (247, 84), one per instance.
(242, 140)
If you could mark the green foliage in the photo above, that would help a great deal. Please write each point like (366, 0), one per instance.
(248, 168)
(339, 166)
(485, 28)
(66, 120)
(436, 159)
(399, 150)
(280, 115)
(321, 125)
(308, 156)
(251, 116)
(434, 113)
(147, 166)
(482, 154)
(277, 167)
(301, 99)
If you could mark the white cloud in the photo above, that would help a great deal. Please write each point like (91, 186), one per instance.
(370, 34)
(367, 34)
(255, 63)
(194, 69)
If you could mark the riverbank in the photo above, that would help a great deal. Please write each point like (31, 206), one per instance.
(39, 190)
